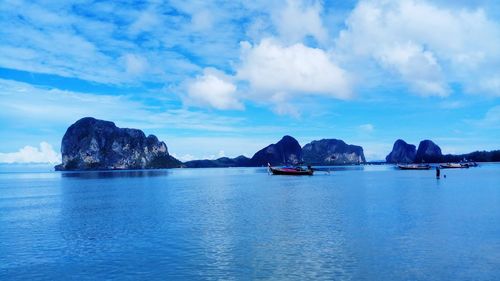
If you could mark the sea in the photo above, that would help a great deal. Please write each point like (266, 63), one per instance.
(348, 223)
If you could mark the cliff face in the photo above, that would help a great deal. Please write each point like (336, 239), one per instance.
(332, 152)
(92, 144)
(286, 151)
(402, 152)
(428, 152)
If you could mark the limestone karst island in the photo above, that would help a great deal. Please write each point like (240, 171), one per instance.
(92, 144)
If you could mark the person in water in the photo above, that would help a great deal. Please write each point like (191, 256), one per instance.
(438, 172)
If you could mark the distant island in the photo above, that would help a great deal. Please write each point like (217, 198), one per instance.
(429, 152)
(93, 144)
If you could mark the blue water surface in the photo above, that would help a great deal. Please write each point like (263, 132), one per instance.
(356, 223)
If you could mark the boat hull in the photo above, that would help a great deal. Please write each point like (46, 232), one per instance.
(454, 166)
(414, 167)
(291, 172)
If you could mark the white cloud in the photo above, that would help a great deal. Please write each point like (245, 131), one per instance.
(298, 20)
(57, 38)
(134, 64)
(276, 73)
(426, 45)
(213, 89)
(272, 73)
(452, 104)
(184, 157)
(201, 20)
(272, 67)
(491, 119)
(416, 66)
(489, 84)
(29, 154)
(366, 128)
(146, 21)
(221, 154)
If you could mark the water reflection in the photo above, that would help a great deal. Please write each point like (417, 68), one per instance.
(115, 174)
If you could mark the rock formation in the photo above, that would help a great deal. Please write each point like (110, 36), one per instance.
(402, 152)
(428, 152)
(332, 152)
(92, 144)
(286, 151)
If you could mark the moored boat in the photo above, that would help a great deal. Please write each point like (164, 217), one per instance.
(454, 165)
(470, 164)
(414, 166)
(292, 171)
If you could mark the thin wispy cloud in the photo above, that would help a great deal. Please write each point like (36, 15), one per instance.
(26, 102)
(366, 128)
(490, 120)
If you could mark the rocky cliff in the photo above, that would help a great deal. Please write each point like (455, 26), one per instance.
(428, 152)
(92, 144)
(402, 152)
(286, 151)
(332, 152)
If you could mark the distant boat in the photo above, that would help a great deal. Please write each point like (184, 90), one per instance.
(414, 166)
(454, 165)
(292, 171)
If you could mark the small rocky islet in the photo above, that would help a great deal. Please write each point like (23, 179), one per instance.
(93, 144)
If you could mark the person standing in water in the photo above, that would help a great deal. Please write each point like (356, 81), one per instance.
(438, 172)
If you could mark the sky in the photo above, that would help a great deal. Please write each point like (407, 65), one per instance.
(226, 78)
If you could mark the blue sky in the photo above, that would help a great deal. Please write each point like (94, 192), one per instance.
(227, 78)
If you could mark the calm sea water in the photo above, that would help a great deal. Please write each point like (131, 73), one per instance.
(357, 223)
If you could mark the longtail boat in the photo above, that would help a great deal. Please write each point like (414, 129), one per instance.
(454, 166)
(292, 171)
(414, 166)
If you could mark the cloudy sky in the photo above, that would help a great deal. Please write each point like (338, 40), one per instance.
(227, 78)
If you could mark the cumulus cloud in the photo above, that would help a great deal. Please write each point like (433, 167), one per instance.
(30, 154)
(298, 20)
(213, 89)
(416, 66)
(278, 72)
(272, 73)
(426, 45)
(272, 67)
